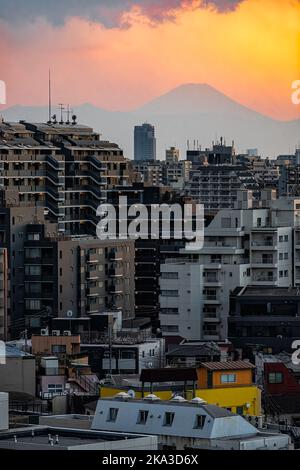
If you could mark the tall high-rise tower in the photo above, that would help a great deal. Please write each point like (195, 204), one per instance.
(144, 142)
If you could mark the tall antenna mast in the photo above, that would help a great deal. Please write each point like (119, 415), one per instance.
(49, 96)
(61, 107)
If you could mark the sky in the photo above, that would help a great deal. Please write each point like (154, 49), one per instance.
(119, 54)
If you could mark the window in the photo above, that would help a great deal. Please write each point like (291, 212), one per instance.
(200, 420)
(142, 418)
(286, 238)
(32, 288)
(281, 238)
(169, 275)
(228, 378)
(259, 222)
(169, 418)
(280, 256)
(169, 293)
(286, 274)
(33, 304)
(112, 414)
(33, 253)
(169, 311)
(32, 270)
(127, 354)
(275, 378)
(59, 349)
(33, 236)
(286, 256)
(170, 328)
(55, 388)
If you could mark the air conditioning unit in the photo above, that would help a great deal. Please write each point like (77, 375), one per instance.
(55, 332)
(67, 333)
(256, 421)
(44, 332)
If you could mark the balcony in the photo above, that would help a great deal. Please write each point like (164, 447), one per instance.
(115, 289)
(265, 262)
(264, 280)
(211, 299)
(93, 292)
(112, 256)
(211, 318)
(212, 281)
(211, 336)
(264, 245)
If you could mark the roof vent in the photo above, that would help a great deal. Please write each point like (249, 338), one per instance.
(151, 397)
(178, 398)
(122, 395)
(198, 401)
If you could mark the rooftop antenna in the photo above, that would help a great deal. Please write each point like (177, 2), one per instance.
(49, 97)
(69, 111)
(61, 107)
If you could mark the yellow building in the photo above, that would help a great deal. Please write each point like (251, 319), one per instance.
(226, 384)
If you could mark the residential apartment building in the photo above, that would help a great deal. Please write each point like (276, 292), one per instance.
(171, 173)
(14, 220)
(172, 155)
(77, 277)
(264, 319)
(4, 289)
(218, 154)
(125, 354)
(53, 174)
(242, 247)
(217, 186)
(63, 167)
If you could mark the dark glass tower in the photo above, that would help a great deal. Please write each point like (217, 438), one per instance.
(144, 142)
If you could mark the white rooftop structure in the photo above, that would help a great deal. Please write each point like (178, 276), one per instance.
(183, 424)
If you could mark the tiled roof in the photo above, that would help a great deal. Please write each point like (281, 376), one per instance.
(229, 365)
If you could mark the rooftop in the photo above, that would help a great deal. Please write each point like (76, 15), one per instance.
(200, 349)
(169, 375)
(13, 351)
(229, 365)
(40, 438)
(265, 291)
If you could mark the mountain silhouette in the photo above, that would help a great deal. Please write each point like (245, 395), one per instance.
(188, 112)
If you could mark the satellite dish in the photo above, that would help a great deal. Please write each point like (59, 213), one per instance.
(69, 313)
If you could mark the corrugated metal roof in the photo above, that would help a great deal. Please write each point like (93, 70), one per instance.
(229, 365)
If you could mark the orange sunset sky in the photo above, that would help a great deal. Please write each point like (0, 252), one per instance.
(120, 56)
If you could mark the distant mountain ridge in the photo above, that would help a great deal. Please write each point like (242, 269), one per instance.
(188, 112)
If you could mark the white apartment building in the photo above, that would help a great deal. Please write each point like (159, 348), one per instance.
(242, 247)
